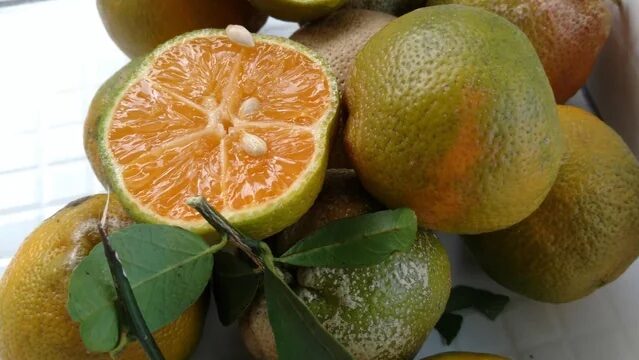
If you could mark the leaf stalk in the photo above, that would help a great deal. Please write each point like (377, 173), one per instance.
(249, 246)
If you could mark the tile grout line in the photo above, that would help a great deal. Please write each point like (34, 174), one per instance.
(36, 167)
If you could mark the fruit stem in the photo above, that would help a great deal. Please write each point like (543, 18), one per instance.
(249, 246)
(127, 300)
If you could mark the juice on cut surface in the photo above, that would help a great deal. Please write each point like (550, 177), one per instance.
(234, 124)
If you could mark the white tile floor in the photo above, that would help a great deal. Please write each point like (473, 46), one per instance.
(53, 57)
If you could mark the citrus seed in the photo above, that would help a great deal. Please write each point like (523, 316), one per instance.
(253, 145)
(249, 106)
(240, 35)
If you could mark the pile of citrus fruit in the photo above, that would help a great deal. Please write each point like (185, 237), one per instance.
(451, 108)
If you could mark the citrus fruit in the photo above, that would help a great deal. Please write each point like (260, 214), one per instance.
(138, 26)
(567, 35)
(338, 37)
(395, 7)
(586, 232)
(410, 288)
(34, 321)
(246, 126)
(298, 10)
(451, 114)
(464, 356)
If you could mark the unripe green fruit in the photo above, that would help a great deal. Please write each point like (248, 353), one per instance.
(384, 311)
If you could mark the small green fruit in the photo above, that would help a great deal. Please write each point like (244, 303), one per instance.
(384, 311)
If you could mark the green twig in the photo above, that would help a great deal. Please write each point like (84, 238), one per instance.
(127, 300)
(219, 246)
(251, 247)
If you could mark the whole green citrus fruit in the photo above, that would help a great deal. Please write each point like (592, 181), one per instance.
(451, 114)
(384, 311)
(586, 232)
(138, 26)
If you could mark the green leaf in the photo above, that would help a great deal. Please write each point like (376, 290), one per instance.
(128, 303)
(359, 241)
(298, 334)
(235, 285)
(167, 267)
(448, 326)
(464, 297)
(486, 302)
(98, 317)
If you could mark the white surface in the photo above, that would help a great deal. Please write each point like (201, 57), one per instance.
(55, 55)
(615, 80)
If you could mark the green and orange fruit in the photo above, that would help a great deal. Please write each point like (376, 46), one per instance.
(409, 289)
(586, 232)
(338, 38)
(139, 26)
(451, 114)
(567, 35)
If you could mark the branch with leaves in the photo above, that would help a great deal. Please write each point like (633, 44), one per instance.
(109, 284)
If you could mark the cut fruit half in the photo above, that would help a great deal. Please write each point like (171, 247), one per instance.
(243, 120)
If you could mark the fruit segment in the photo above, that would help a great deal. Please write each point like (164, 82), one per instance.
(214, 118)
(250, 179)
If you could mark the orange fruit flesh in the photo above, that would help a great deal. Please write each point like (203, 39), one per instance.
(179, 131)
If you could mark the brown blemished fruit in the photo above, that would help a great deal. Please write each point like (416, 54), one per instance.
(451, 115)
(34, 323)
(567, 35)
(342, 196)
(138, 26)
(390, 323)
(586, 232)
(338, 38)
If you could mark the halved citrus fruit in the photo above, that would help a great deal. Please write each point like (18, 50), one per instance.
(243, 120)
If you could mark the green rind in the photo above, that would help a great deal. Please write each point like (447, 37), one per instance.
(298, 10)
(271, 217)
(385, 311)
(99, 105)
